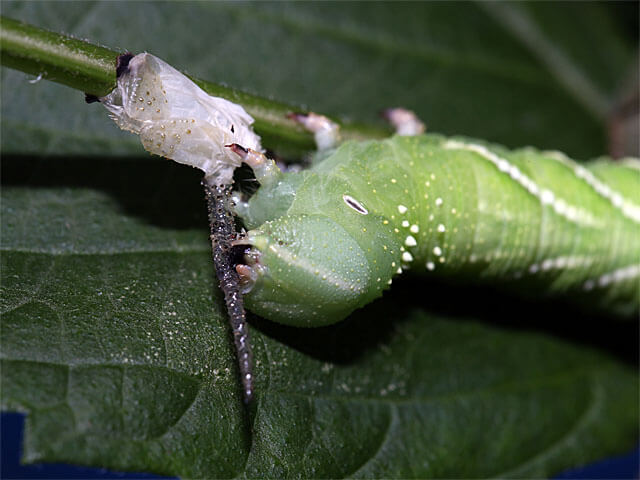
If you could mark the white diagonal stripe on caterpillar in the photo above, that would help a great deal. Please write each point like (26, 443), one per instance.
(545, 196)
(628, 208)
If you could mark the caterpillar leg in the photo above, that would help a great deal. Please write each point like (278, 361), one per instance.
(246, 261)
(404, 121)
(239, 205)
(326, 132)
(247, 276)
(265, 169)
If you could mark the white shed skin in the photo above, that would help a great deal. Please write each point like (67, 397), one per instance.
(178, 120)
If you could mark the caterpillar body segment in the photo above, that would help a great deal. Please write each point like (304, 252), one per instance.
(304, 280)
(442, 207)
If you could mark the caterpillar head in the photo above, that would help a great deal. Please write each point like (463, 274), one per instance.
(308, 270)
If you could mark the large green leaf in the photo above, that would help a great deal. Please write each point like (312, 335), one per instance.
(114, 338)
(115, 343)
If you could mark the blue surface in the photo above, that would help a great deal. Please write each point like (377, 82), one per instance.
(12, 426)
(624, 466)
(11, 430)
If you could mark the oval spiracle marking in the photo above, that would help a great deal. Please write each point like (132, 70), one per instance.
(354, 204)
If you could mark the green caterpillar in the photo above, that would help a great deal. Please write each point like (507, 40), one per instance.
(330, 239)
(327, 240)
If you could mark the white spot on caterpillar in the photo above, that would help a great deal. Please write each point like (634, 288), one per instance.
(547, 264)
(410, 241)
(405, 223)
(430, 266)
(619, 275)
(561, 263)
(546, 197)
(441, 228)
(407, 257)
(514, 172)
(533, 189)
(438, 201)
(561, 207)
(402, 209)
(181, 121)
(355, 205)
(414, 228)
(437, 251)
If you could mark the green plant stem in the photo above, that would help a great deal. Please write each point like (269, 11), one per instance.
(92, 69)
(59, 58)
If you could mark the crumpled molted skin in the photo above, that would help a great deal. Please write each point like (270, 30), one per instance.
(178, 120)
